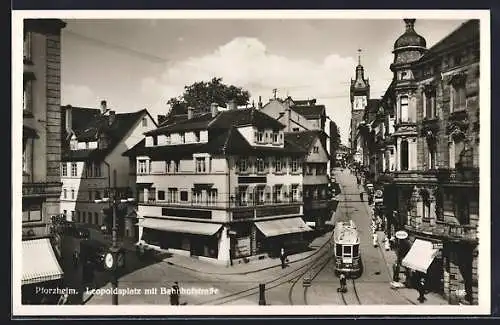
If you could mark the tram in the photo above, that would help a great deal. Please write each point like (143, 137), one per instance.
(347, 254)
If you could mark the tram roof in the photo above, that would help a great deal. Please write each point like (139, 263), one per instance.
(346, 233)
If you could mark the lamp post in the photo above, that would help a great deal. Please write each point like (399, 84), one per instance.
(111, 257)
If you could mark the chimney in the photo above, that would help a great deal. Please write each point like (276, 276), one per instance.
(104, 106)
(214, 109)
(69, 119)
(112, 117)
(260, 102)
(190, 113)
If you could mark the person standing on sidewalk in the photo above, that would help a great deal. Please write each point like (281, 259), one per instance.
(375, 239)
(174, 294)
(421, 289)
(283, 258)
(343, 283)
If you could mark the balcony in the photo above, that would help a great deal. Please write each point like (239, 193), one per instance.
(40, 190)
(460, 174)
(445, 231)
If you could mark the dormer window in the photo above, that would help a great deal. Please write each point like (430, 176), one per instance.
(197, 136)
(316, 149)
(260, 137)
(183, 137)
(275, 137)
(168, 139)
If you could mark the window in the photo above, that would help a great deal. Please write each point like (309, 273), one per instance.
(316, 149)
(458, 97)
(432, 159)
(275, 137)
(294, 195)
(73, 169)
(27, 46)
(212, 196)
(172, 195)
(430, 104)
(72, 215)
(142, 167)
(260, 136)
(200, 165)
(65, 213)
(315, 194)
(295, 165)
(278, 165)
(28, 96)
(184, 196)
(88, 170)
(168, 139)
(277, 193)
(404, 155)
(260, 165)
(65, 193)
(96, 218)
(451, 154)
(161, 195)
(97, 170)
(176, 166)
(403, 108)
(260, 195)
(182, 137)
(242, 165)
(72, 194)
(97, 195)
(32, 212)
(242, 195)
(197, 136)
(426, 213)
(144, 121)
(155, 140)
(64, 169)
(90, 195)
(197, 196)
(84, 216)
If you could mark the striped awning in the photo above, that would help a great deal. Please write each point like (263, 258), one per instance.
(420, 256)
(39, 262)
(188, 227)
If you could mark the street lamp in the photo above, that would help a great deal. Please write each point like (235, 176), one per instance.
(112, 256)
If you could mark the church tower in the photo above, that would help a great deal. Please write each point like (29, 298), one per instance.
(359, 95)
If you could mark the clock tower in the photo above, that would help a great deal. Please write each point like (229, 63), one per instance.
(359, 95)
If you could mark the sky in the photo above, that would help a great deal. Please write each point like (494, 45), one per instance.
(141, 63)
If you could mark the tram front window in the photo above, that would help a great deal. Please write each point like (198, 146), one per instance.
(347, 250)
(355, 250)
(338, 250)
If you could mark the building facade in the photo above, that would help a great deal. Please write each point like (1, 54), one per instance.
(221, 185)
(92, 162)
(430, 155)
(41, 153)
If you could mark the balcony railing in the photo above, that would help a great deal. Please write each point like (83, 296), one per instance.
(45, 189)
(449, 231)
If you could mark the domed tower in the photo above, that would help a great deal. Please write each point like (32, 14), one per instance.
(408, 49)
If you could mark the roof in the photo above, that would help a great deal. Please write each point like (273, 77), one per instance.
(228, 141)
(223, 120)
(346, 233)
(310, 111)
(467, 32)
(303, 139)
(304, 102)
(88, 124)
(410, 38)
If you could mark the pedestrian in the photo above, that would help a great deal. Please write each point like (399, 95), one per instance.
(387, 244)
(421, 289)
(174, 294)
(283, 258)
(343, 283)
(361, 195)
(375, 239)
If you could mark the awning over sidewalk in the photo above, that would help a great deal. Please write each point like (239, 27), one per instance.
(420, 256)
(282, 226)
(39, 262)
(197, 228)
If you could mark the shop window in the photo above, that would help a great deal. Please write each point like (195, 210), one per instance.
(404, 155)
(161, 195)
(32, 212)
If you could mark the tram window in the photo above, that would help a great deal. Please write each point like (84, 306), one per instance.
(347, 250)
(338, 250)
(355, 250)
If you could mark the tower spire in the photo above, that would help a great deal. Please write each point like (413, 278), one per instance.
(359, 56)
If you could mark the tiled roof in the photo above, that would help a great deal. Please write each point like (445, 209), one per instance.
(303, 139)
(88, 124)
(229, 141)
(180, 124)
(310, 111)
(467, 32)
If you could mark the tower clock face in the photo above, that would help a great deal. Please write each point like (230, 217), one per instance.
(360, 102)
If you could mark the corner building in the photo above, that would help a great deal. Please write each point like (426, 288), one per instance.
(220, 186)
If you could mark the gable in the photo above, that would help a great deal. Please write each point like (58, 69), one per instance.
(319, 157)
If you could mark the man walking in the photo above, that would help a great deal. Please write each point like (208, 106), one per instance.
(343, 283)
(174, 294)
(282, 258)
(421, 289)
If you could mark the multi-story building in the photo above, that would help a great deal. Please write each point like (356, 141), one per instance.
(220, 185)
(291, 115)
(41, 152)
(433, 191)
(92, 162)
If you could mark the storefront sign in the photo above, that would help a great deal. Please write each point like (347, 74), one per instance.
(276, 211)
(401, 234)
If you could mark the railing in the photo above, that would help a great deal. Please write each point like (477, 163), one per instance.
(444, 230)
(44, 189)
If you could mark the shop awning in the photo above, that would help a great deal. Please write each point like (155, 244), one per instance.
(197, 228)
(39, 262)
(282, 226)
(420, 256)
